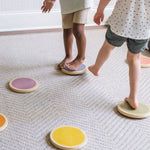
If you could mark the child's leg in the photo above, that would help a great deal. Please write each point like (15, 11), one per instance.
(134, 77)
(78, 31)
(68, 41)
(101, 58)
(67, 23)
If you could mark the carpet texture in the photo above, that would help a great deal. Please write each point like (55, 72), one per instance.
(85, 101)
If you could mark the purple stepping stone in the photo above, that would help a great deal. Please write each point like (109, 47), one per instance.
(23, 83)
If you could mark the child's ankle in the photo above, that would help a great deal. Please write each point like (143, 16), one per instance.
(69, 56)
(134, 98)
(81, 58)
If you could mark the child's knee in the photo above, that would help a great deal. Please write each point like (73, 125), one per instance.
(78, 30)
(67, 31)
(133, 57)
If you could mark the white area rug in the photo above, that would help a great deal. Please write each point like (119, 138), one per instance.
(86, 101)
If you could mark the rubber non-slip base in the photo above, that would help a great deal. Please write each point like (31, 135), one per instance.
(23, 84)
(68, 138)
(142, 111)
(82, 69)
(3, 122)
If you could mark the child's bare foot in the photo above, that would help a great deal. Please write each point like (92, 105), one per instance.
(62, 64)
(133, 103)
(75, 64)
(93, 70)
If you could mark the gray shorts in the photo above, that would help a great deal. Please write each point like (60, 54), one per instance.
(134, 46)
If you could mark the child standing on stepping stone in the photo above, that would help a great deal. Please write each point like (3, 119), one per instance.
(74, 18)
(130, 23)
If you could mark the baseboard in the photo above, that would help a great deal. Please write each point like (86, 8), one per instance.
(38, 21)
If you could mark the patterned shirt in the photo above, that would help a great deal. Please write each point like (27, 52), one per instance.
(70, 6)
(131, 19)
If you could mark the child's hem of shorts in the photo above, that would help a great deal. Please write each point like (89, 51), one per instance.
(112, 44)
(135, 52)
(75, 10)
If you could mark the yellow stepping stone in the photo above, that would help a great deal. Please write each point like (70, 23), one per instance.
(68, 138)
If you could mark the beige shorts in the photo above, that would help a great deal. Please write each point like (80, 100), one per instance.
(79, 17)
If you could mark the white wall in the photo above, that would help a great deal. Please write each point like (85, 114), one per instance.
(26, 15)
(18, 6)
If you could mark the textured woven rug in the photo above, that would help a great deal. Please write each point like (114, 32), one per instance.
(85, 101)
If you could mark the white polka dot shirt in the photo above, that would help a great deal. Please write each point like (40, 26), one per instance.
(131, 19)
